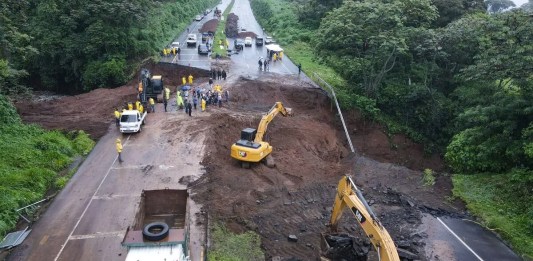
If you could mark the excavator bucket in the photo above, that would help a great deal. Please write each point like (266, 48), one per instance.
(340, 246)
(289, 111)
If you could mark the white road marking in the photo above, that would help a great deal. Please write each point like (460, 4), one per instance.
(460, 240)
(107, 196)
(98, 235)
(87, 207)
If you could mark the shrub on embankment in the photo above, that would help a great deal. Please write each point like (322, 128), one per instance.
(30, 160)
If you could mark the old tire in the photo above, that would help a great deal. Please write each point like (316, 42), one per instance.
(155, 231)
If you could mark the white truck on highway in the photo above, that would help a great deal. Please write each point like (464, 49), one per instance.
(131, 121)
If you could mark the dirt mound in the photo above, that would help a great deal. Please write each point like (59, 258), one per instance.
(247, 34)
(232, 25)
(93, 112)
(210, 26)
(310, 153)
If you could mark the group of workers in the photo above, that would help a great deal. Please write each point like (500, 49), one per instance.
(218, 74)
(129, 106)
(171, 51)
(188, 99)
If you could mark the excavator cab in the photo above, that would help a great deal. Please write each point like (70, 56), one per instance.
(247, 138)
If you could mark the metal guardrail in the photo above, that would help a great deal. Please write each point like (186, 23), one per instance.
(338, 110)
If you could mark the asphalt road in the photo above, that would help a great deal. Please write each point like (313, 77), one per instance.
(247, 60)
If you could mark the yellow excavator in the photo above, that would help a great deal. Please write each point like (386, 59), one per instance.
(251, 147)
(349, 196)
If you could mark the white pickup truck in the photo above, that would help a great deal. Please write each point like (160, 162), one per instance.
(131, 121)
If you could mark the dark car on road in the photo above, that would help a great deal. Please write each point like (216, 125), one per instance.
(203, 49)
(259, 41)
(239, 44)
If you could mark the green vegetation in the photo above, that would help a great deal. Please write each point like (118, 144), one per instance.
(220, 37)
(428, 178)
(228, 246)
(73, 46)
(30, 159)
(503, 201)
(445, 72)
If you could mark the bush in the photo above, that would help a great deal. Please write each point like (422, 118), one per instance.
(8, 113)
(105, 73)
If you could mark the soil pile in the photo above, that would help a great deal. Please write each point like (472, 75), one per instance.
(232, 26)
(93, 112)
(247, 34)
(295, 197)
(210, 26)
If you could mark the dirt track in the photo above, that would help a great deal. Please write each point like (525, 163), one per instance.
(296, 196)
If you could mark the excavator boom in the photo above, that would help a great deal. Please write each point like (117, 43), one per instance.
(267, 118)
(251, 147)
(349, 196)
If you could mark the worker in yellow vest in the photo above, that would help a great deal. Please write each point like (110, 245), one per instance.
(190, 79)
(183, 80)
(130, 106)
(141, 108)
(203, 104)
(137, 105)
(167, 93)
(179, 100)
(118, 145)
(174, 51)
(117, 117)
(275, 57)
(152, 104)
(280, 56)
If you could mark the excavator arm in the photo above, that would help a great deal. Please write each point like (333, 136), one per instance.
(267, 118)
(349, 196)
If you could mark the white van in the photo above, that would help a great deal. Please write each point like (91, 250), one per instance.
(191, 39)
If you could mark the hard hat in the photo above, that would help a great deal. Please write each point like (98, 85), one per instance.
(118, 140)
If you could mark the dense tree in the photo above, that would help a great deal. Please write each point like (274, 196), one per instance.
(15, 46)
(451, 10)
(311, 12)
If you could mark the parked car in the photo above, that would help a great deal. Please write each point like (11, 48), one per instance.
(198, 18)
(239, 44)
(248, 41)
(259, 41)
(203, 49)
(269, 40)
(191, 39)
(205, 37)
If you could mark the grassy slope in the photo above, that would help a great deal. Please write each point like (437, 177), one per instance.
(30, 159)
(493, 198)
